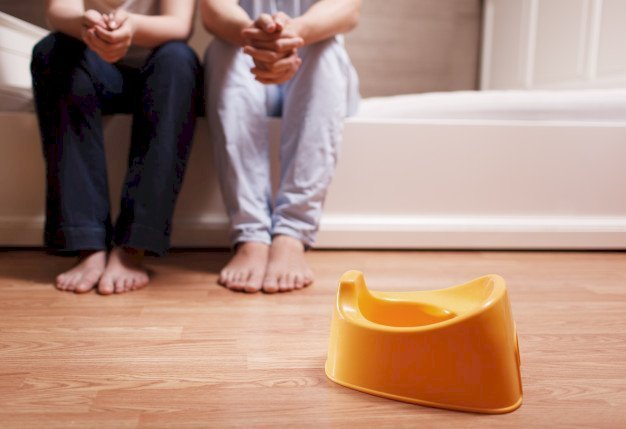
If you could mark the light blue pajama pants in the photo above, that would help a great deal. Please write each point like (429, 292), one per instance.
(313, 106)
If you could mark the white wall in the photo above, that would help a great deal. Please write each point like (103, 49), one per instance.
(554, 44)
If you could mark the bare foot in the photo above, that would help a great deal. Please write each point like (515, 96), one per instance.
(287, 268)
(124, 272)
(85, 274)
(245, 271)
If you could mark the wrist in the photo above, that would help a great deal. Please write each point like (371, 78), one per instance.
(299, 26)
(131, 21)
(242, 26)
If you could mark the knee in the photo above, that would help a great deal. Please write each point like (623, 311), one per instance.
(325, 59)
(325, 48)
(47, 49)
(220, 51)
(41, 53)
(176, 58)
(54, 66)
(221, 57)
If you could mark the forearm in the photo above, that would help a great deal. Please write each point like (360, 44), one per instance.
(152, 31)
(174, 22)
(327, 18)
(65, 16)
(225, 19)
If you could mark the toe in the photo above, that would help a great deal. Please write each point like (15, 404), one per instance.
(254, 283)
(308, 278)
(138, 282)
(298, 281)
(237, 282)
(141, 281)
(285, 283)
(230, 279)
(87, 282)
(61, 282)
(84, 286)
(270, 283)
(106, 286)
(119, 285)
(224, 277)
(249, 288)
(71, 282)
(230, 283)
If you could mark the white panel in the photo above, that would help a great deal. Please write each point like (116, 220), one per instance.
(480, 169)
(554, 44)
(612, 48)
(559, 40)
(17, 39)
(502, 55)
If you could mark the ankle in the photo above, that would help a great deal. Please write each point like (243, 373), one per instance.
(88, 252)
(131, 251)
(91, 256)
(288, 241)
(128, 255)
(250, 246)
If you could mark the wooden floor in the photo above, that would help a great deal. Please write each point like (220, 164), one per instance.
(187, 353)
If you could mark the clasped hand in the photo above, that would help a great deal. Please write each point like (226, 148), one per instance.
(273, 47)
(108, 35)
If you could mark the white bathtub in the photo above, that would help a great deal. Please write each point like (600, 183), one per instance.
(401, 182)
(589, 105)
(518, 170)
(511, 169)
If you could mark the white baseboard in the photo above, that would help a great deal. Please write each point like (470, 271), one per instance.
(21, 231)
(410, 232)
(474, 232)
(393, 232)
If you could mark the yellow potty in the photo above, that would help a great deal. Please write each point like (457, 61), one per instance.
(452, 348)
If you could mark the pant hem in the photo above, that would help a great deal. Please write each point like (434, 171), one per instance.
(263, 238)
(305, 239)
(71, 239)
(142, 237)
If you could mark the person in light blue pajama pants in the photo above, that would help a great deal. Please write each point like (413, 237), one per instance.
(314, 90)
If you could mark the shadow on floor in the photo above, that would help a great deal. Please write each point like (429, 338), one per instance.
(38, 265)
(206, 261)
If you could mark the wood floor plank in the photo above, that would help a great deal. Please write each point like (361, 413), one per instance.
(69, 420)
(187, 353)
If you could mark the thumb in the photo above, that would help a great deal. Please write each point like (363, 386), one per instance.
(91, 18)
(266, 23)
(117, 18)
